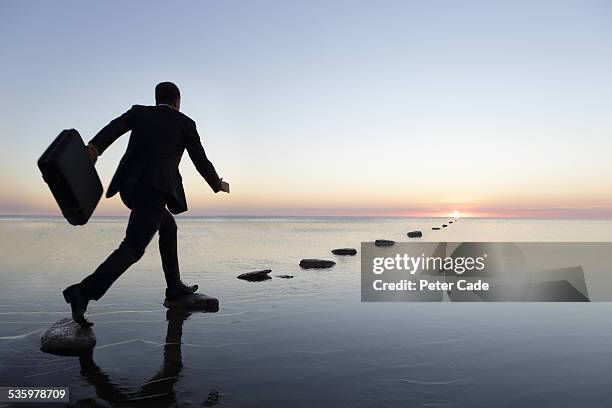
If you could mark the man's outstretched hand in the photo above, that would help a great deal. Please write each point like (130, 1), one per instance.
(93, 153)
(224, 186)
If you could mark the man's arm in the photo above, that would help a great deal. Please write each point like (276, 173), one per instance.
(201, 162)
(110, 133)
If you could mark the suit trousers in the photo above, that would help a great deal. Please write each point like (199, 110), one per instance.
(148, 216)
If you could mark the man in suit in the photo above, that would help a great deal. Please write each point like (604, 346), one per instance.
(148, 181)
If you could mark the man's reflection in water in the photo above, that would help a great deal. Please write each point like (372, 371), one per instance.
(159, 390)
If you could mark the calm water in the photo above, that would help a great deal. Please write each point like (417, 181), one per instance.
(306, 341)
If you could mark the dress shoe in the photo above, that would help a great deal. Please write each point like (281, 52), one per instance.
(181, 290)
(78, 304)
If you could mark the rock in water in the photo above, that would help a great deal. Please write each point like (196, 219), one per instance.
(444, 225)
(285, 276)
(384, 243)
(194, 301)
(344, 251)
(415, 234)
(316, 263)
(212, 399)
(450, 222)
(435, 228)
(256, 276)
(68, 338)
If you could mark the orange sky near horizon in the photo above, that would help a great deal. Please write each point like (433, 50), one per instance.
(202, 201)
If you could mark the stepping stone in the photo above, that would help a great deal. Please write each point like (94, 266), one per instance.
(444, 225)
(316, 263)
(256, 276)
(384, 243)
(344, 251)
(285, 276)
(194, 301)
(68, 338)
(415, 234)
(435, 228)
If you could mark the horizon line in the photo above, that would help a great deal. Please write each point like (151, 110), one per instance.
(125, 216)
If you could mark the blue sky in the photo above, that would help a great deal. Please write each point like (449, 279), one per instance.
(331, 107)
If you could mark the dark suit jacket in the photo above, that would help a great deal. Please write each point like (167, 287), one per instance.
(159, 137)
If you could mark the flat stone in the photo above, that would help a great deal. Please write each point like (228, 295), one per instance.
(344, 251)
(194, 301)
(435, 228)
(415, 234)
(285, 276)
(316, 263)
(68, 338)
(384, 243)
(256, 276)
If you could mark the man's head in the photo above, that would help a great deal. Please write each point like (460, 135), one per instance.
(169, 94)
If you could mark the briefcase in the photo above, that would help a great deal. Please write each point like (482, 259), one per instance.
(71, 176)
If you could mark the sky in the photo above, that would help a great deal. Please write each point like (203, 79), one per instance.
(391, 108)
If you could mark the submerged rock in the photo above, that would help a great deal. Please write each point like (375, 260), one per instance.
(285, 276)
(344, 251)
(68, 338)
(384, 243)
(415, 234)
(256, 276)
(316, 263)
(194, 301)
(212, 399)
(435, 228)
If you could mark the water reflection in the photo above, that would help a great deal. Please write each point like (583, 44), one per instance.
(159, 390)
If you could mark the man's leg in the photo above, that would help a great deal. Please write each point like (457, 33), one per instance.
(168, 250)
(169, 255)
(147, 209)
(142, 226)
